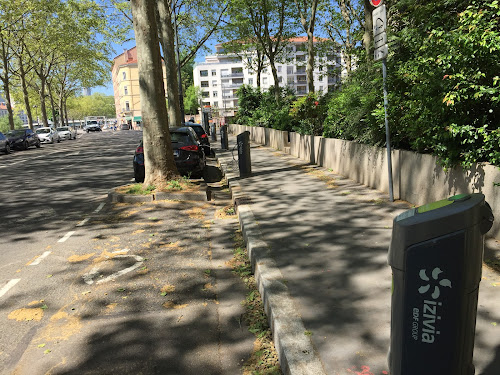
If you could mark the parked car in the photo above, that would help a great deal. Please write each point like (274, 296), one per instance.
(202, 135)
(22, 139)
(188, 154)
(4, 143)
(48, 135)
(66, 132)
(93, 128)
(124, 127)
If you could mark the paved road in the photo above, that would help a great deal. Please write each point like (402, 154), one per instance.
(87, 287)
(329, 237)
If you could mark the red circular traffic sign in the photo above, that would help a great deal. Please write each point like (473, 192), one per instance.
(375, 3)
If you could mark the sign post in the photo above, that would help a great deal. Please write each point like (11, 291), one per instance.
(379, 17)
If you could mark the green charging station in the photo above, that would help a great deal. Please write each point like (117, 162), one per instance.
(436, 255)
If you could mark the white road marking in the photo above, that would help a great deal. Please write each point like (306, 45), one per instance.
(83, 222)
(99, 208)
(66, 236)
(94, 272)
(8, 286)
(89, 276)
(113, 276)
(38, 260)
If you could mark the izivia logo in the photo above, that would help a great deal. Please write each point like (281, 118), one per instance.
(430, 313)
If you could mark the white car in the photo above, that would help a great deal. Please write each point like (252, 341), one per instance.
(48, 135)
(66, 132)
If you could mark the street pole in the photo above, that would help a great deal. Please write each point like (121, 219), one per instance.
(181, 95)
(387, 134)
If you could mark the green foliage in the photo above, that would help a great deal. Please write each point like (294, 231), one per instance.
(445, 93)
(258, 108)
(4, 123)
(93, 105)
(192, 99)
(308, 114)
(356, 112)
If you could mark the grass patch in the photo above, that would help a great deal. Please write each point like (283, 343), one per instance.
(264, 358)
(139, 189)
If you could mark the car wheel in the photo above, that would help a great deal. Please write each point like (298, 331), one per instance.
(52, 140)
(7, 148)
(59, 140)
(26, 145)
(37, 144)
(139, 173)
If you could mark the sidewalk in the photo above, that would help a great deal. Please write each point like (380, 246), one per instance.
(320, 246)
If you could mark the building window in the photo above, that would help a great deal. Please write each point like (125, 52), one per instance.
(321, 78)
(250, 81)
(204, 83)
(214, 72)
(203, 73)
(300, 58)
(214, 94)
(214, 83)
(125, 90)
(264, 80)
(280, 79)
(205, 94)
(127, 106)
(320, 89)
(279, 69)
(124, 75)
(216, 104)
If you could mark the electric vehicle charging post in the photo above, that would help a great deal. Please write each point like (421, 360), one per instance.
(244, 162)
(436, 255)
(224, 142)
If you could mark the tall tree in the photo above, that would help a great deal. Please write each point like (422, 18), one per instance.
(158, 154)
(166, 33)
(273, 26)
(307, 12)
(343, 24)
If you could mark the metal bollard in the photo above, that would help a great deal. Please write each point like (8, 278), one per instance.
(436, 257)
(213, 133)
(244, 162)
(223, 138)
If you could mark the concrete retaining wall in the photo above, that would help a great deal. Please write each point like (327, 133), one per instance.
(417, 178)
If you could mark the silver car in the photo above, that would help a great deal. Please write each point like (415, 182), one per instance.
(48, 135)
(66, 132)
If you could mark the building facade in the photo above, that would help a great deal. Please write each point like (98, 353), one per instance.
(222, 74)
(125, 76)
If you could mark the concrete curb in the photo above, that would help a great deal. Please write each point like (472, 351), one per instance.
(201, 196)
(295, 349)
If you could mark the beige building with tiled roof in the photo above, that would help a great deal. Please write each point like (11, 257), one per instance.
(125, 76)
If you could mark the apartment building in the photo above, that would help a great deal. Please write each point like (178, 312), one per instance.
(220, 75)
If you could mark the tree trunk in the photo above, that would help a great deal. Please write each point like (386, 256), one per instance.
(22, 75)
(6, 84)
(367, 36)
(6, 91)
(52, 105)
(166, 33)
(43, 107)
(277, 95)
(310, 59)
(158, 154)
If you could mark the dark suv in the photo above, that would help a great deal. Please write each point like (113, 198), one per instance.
(23, 138)
(188, 154)
(202, 135)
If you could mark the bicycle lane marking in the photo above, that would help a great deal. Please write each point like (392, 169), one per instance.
(8, 286)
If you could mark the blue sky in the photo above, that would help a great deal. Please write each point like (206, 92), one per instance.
(108, 89)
